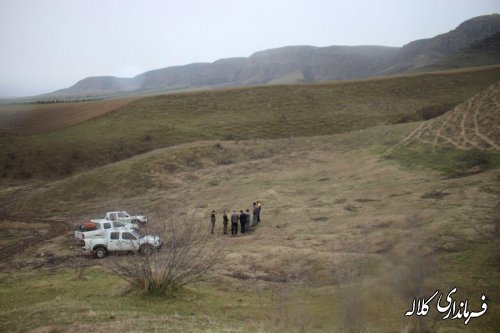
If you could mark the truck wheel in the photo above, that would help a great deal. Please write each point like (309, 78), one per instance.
(100, 252)
(146, 250)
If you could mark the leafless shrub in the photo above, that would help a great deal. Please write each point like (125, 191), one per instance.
(288, 312)
(79, 263)
(352, 305)
(411, 278)
(186, 257)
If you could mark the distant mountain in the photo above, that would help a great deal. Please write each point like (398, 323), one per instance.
(472, 43)
(100, 85)
(482, 53)
(282, 65)
(426, 52)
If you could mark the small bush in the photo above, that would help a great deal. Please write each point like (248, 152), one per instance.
(186, 257)
(476, 157)
(448, 160)
(340, 200)
(214, 182)
(351, 208)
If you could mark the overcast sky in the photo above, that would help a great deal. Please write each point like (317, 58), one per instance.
(51, 44)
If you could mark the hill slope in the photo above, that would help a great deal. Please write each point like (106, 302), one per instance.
(484, 52)
(346, 230)
(473, 124)
(299, 64)
(236, 114)
(343, 231)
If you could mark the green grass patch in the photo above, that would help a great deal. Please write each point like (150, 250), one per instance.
(58, 300)
(451, 161)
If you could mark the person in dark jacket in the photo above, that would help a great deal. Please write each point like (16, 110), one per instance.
(212, 220)
(247, 220)
(234, 222)
(243, 220)
(225, 220)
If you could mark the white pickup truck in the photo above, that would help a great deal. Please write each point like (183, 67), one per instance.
(121, 241)
(100, 227)
(126, 217)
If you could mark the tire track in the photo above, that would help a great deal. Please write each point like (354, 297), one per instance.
(463, 131)
(55, 228)
(476, 130)
(460, 127)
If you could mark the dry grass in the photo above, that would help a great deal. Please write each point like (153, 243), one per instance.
(26, 119)
(299, 269)
(348, 238)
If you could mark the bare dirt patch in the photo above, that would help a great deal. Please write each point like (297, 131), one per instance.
(26, 119)
(24, 234)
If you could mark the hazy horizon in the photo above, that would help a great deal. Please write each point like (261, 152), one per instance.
(53, 44)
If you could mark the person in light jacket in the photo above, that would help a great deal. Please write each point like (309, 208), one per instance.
(255, 214)
(234, 222)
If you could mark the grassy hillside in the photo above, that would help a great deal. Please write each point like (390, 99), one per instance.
(345, 232)
(236, 114)
(351, 223)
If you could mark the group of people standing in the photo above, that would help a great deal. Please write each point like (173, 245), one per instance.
(244, 218)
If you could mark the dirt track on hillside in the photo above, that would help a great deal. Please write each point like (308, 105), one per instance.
(471, 125)
(34, 232)
(25, 119)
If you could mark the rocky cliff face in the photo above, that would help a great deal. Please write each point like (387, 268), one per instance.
(293, 64)
(430, 51)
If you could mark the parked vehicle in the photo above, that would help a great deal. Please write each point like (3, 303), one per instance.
(99, 227)
(121, 241)
(126, 217)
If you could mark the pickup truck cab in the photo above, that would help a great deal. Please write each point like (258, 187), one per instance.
(121, 241)
(99, 227)
(126, 217)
